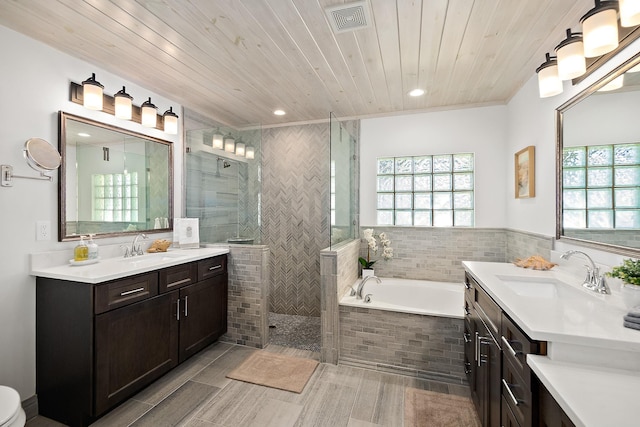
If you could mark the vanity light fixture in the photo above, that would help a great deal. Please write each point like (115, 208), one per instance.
(216, 140)
(416, 92)
(614, 84)
(251, 153)
(229, 144)
(149, 114)
(600, 28)
(123, 104)
(549, 83)
(170, 121)
(570, 56)
(629, 12)
(240, 149)
(279, 112)
(92, 92)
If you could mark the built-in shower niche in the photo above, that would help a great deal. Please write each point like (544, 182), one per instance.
(222, 188)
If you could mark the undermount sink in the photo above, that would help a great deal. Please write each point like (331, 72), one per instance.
(153, 258)
(535, 287)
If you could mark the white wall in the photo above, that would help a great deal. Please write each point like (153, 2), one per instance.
(34, 83)
(481, 131)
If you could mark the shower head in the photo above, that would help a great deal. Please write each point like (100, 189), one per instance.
(225, 164)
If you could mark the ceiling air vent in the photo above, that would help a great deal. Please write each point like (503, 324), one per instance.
(348, 17)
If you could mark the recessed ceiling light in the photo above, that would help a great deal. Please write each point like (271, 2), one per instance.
(416, 92)
(86, 135)
(279, 112)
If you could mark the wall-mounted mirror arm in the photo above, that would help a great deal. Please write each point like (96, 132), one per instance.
(40, 156)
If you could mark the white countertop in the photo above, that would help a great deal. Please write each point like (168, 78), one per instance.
(118, 267)
(590, 396)
(577, 316)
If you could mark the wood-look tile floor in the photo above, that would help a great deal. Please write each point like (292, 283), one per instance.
(197, 394)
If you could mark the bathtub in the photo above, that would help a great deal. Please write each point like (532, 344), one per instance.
(424, 297)
(410, 327)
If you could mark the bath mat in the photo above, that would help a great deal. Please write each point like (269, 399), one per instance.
(275, 370)
(427, 408)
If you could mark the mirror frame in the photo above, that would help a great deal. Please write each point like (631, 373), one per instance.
(622, 250)
(62, 190)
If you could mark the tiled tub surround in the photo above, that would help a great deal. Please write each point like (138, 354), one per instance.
(437, 253)
(411, 327)
(425, 346)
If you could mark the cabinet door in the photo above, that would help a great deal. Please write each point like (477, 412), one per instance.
(488, 377)
(203, 315)
(134, 345)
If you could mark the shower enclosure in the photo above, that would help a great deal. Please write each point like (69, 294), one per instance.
(223, 181)
(344, 179)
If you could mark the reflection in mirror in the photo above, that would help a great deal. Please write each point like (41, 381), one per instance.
(599, 163)
(112, 181)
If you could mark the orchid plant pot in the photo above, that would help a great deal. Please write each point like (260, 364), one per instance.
(366, 272)
(630, 295)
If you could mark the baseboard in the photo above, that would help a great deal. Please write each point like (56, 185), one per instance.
(401, 370)
(30, 406)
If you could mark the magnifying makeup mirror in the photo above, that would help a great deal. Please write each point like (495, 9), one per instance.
(40, 155)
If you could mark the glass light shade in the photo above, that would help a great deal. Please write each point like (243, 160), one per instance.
(216, 141)
(600, 30)
(614, 84)
(629, 12)
(571, 61)
(229, 145)
(122, 102)
(251, 153)
(92, 93)
(549, 83)
(240, 149)
(170, 121)
(149, 114)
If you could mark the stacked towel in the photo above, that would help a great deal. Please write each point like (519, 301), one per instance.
(632, 319)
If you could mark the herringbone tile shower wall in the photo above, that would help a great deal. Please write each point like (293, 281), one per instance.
(295, 213)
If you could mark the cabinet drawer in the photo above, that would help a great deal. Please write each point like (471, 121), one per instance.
(178, 276)
(488, 310)
(517, 392)
(126, 291)
(212, 267)
(508, 419)
(516, 345)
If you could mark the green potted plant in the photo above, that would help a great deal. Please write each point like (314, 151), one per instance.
(629, 273)
(372, 246)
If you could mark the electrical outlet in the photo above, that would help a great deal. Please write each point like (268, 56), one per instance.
(43, 230)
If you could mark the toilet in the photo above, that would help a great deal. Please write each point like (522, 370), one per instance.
(11, 412)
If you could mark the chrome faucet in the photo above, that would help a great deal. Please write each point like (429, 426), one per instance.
(358, 292)
(137, 250)
(594, 280)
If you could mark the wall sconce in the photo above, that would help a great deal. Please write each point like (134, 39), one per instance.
(216, 140)
(250, 154)
(149, 114)
(170, 120)
(570, 56)
(629, 13)
(123, 104)
(600, 28)
(92, 92)
(549, 83)
(240, 149)
(229, 144)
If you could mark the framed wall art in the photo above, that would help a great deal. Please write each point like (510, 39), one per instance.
(525, 173)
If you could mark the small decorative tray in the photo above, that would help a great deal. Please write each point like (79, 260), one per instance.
(85, 262)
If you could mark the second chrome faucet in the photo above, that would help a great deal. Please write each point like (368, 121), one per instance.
(594, 280)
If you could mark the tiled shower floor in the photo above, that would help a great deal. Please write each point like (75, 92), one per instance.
(299, 332)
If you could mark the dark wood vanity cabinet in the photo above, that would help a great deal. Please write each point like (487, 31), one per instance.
(495, 357)
(551, 414)
(96, 345)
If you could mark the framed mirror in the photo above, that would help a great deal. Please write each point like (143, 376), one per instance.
(112, 181)
(598, 164)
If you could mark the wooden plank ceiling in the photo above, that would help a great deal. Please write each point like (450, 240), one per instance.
(235, 61)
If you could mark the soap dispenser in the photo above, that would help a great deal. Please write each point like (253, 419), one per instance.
(92, 248)
(81, 252)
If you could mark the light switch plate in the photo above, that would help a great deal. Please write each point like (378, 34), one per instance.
(43, 230)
